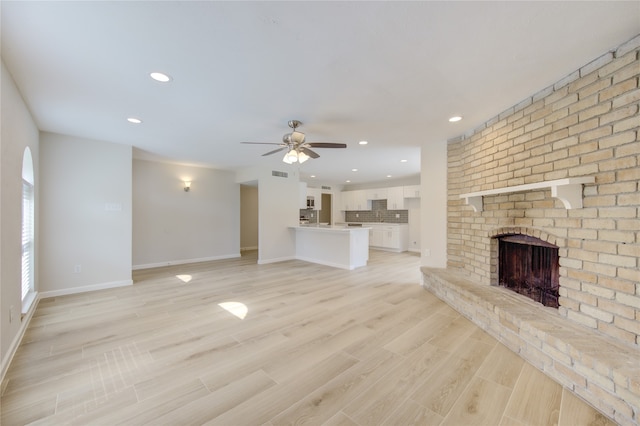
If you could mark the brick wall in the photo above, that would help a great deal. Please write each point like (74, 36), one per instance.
(587, 124)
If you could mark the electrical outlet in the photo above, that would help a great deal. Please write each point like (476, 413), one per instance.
(311, 214)
(397, 215)
(357, 215)
(77, 269)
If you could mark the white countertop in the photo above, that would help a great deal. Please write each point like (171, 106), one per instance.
(336, 228)
(371, 224)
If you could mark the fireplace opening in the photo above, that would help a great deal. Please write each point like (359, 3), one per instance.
(529, 266)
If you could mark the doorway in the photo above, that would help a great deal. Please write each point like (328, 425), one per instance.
(249, 216)
(324, 216)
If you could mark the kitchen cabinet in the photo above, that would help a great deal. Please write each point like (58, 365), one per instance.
(340, 247)
(376, 238)
(376, 194)
(360, 201)
(395, 198)
(316, 193)
(393, 237)
(346, 200)
(354, 200)
(412, 191)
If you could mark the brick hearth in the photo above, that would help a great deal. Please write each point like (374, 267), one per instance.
(598, 368)
(584, 128)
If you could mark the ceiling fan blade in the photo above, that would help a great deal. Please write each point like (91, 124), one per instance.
(326, 145)
(274, 151)
(310, 153)
(263, 143)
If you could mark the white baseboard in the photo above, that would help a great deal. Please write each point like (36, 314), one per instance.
(248, 248)
(275, 260)
(184, 261)
(15, 343)
(85, 288)
(332, 264)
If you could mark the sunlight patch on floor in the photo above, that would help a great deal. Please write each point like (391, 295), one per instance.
(235, 308)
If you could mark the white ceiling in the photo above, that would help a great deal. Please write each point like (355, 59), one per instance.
(391, 73)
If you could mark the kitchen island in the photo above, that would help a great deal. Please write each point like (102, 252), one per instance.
(338, 246)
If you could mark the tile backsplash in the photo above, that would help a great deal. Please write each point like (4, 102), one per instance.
(378, 213)
(305, 214)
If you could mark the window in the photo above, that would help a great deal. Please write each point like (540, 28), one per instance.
(27, 238)
(28, 234)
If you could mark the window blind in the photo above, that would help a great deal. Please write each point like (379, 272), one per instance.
(27, 238)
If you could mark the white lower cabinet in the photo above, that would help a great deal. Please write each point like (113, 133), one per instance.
(376, 238)
(389, 237)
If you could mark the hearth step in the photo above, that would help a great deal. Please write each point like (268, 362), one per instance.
(599, 369)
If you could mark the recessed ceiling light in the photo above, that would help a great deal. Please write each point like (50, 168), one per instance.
(354, 170)
(363, 142)
(455, 118)
(403, 161)
(313, 176)
(134, 120)
(388, 175)
(161, 77)
(347, 181)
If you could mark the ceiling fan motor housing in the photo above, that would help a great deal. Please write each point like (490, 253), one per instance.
(295, 138)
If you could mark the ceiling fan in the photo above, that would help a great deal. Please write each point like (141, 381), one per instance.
(297, 149)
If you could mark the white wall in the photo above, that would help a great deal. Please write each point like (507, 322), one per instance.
(171, 226)
(415, 219)
(85, 214)
(278, 202)
(18, 130)
(248, 217)
(279, 209)
(433, 204)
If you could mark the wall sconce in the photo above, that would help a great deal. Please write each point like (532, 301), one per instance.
(187, 185)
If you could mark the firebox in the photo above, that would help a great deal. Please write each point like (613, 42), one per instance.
(529, 266)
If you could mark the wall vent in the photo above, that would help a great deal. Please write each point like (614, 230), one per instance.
(279, 174)
(328, 188)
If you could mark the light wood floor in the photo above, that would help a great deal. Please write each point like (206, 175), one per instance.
(318, 345)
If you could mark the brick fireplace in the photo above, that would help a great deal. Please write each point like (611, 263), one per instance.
(503, 179)
(529, 266)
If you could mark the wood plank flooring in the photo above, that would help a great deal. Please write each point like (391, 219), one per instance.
(316, 345)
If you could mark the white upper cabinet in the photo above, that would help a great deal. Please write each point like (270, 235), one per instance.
(360, 201)
(345, 200)
(395, 198)
(316, 193)
(412, 191)
(354, 200)
(376, 194)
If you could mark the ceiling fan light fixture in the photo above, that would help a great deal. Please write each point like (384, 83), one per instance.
(302, 157)
(290, 157)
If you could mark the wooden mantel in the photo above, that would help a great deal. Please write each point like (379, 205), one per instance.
(568, 190)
